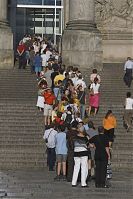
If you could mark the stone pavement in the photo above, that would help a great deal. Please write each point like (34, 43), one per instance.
(40, 185)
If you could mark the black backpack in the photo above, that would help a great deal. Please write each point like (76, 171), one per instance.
(68, 118)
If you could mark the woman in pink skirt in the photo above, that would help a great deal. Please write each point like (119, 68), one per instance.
(94, 96)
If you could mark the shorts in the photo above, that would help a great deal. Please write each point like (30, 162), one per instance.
(61, 158)
(110, 134)
(48, 110)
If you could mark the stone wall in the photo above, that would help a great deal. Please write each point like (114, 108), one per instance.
(114, 19)
(6, 39)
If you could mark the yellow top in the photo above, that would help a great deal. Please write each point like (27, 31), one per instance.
(109, 123)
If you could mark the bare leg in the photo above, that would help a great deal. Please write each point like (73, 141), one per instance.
(89, 164)
(58, 168)
(49, 120)
(89, 110)
(95, 111)
(45, 120)
(64, 168)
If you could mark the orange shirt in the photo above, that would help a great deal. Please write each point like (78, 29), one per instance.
(109, 123)
(49, 98)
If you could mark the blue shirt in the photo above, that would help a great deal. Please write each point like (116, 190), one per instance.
(37, 61)
(61, 143)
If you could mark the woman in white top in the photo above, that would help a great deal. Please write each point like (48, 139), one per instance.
(94, 96)
(128, 114)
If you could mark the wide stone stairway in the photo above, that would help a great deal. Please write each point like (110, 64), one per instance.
(21, 124)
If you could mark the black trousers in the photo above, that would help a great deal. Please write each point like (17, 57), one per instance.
(70, 165)
(101, 171)
(51, 158)
(128, 77)
(22, 61)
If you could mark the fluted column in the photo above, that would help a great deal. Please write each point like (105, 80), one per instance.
(66, 11)
(82, 41)
(3, 11)
(6, 38)
(82, 14)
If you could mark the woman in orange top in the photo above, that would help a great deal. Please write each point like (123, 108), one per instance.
(109, 124)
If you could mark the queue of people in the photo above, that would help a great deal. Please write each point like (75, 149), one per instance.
(77, 150)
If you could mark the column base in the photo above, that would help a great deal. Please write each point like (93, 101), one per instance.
(6, 47)
(82, 25)
(82, 48)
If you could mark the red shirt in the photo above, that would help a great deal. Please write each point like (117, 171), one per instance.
(49, 98)
(21, 48)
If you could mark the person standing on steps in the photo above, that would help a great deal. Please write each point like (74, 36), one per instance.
(128, 114)
(21, 54)
(81, 144)
(109, 124)
(61, 152)
(128, 68)
(49, 137)
(94, 96)
(102, 156)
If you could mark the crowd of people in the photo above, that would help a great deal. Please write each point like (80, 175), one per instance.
(76, 149)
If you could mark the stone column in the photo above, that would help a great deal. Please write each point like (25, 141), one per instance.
(82, 41)
(6, 38)
(66, 11)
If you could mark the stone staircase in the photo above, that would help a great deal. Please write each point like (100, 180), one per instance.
(21, 126)
(113, 93)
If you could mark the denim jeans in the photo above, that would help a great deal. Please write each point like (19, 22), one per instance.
(82, 111)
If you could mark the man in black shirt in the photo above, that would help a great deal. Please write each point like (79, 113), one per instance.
(102, 155)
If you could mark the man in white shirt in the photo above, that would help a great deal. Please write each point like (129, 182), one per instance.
(49, 137)
(128, 114)
(128, 67)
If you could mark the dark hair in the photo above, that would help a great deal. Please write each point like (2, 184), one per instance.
(59, 82)
(80, 76)
(128, 94)
(74, 124)
(94, 71)
(91, 124)
(61, 71)
(128, 58)
(69, 108)
(108, 113)
(61, 128)
(95, 80)
(66, 74)
(59, 114)
(100, 129)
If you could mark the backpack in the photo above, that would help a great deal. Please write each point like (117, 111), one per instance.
(68, 118)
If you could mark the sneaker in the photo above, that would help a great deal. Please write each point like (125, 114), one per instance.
(57, 178)
(74, 185)
(86, 186)
(63, 178)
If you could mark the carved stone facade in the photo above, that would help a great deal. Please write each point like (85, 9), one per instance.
(115, 15)
(114, 19)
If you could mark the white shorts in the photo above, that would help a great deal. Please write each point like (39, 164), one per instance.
(48, 110)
